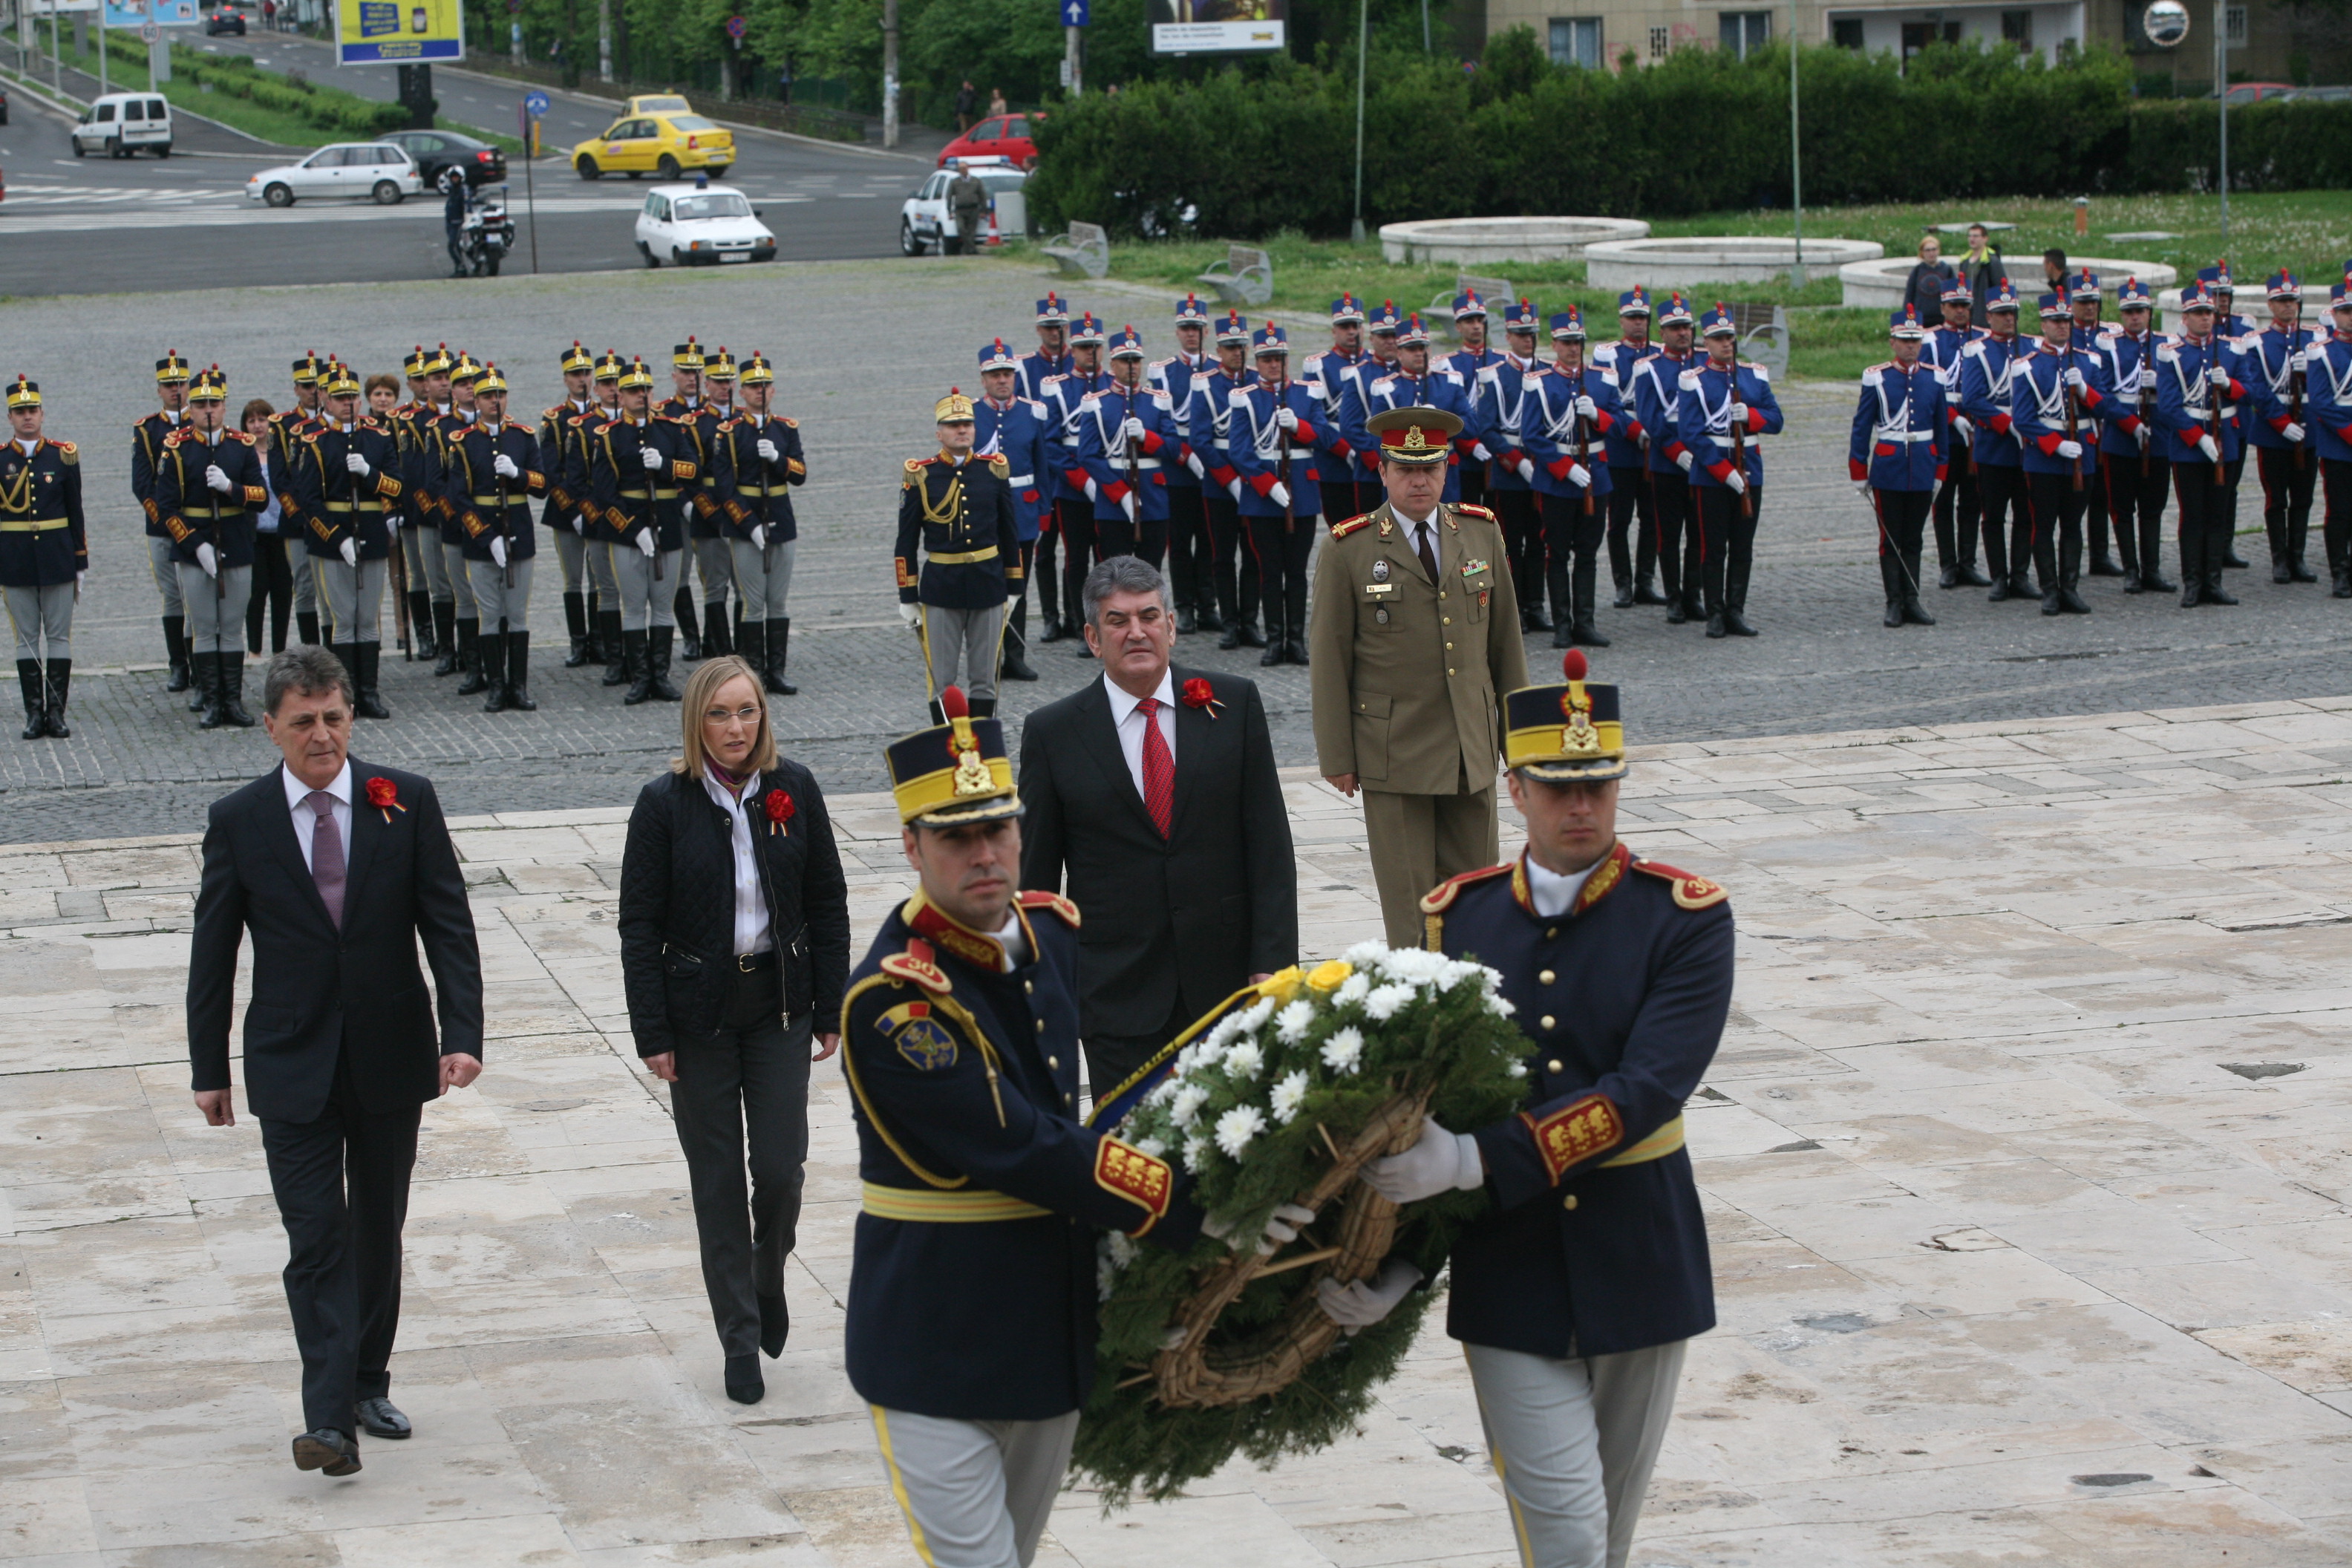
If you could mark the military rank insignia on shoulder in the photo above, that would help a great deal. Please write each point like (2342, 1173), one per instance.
(68, 451)
(311, 437)
(915, 965)
(1690, 892)
(1469, 511)
(1342, 530)
(1439, 899)
(1000, 468)
(915, 467)
(923, 1040)
(791, 423)
(1038, 899)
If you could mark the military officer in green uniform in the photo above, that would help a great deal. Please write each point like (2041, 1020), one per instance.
(44, 555)
(1415, 634)
(959, 556)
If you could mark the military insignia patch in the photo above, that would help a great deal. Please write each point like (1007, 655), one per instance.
(1130, 1173)
(920, 970)
(1472, 567)
(921, 1038)
(1569, 1136)
(1690, 892)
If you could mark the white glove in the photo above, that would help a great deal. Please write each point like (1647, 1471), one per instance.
(354, 463)
(767, 451)
(1527, 470)
(1478, 450)
(2294, 433)
(1586, 408)
(1363, 1302)
(1861, 488)
(505, 467)
(1965, 429)
(218, 480)
(1740, 414)
(652, 455)
(2217, 378)
(1127, 505)
(2205, 445)
(1439, 1162)
(645, 543)
(206, 559)
(2070, 450)
(759, 536)
(1281, 1230)
(1192, 461)
(2298, 360)
(2144, 432)
(79, 578)
(1736, 484)
(1094, 491)
(1287, 417)
(1643, 440)
(2074, 377)
(1234, 489)
(1132, 428)
(1579, 476)
(579, 525)
(349, 550)
(498, 551)
(1685, 459)
(1280, 494)
(910, 614)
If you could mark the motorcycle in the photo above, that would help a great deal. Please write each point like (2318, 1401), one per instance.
(488, 236)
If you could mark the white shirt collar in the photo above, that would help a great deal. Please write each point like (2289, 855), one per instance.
(1412, 525)
(1553, 894)
(29, 447)
(1123, 703)
(298, 794)
(1015, 941)
(718, 791)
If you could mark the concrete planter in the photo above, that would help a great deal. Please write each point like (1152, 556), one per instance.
(1879, 283)
(1702, 260)
(2250, 303)
(1484, 241)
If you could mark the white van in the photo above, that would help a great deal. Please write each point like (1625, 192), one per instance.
(121, 123)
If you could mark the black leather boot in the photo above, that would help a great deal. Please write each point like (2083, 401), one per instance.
(305, 626)
(469, 657)
(175, 650)
(2070, 578)
(634, 659)
(518, 697)
(780, 646)
(616, 650)
(1887, 570)
(1014, 663)
(60, 681)
(37, 706)
(1563, 618)
(444, 635)
(682, 606)
(1734, 599)
(752, 647)
(371, 702)
(205, 667)
(1273, 639)
(1645, 595)
(718, 638)
(2214, 593)
(1585, 586)
(493, 648)
(421, 643)
(231, 675)
(2230, 556)
(657, 648)
(348, 656)
(575, 623)
(1913, 611)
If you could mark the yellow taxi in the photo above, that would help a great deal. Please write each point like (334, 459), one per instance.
(667, 142)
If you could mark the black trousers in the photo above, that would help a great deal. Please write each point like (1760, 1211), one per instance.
(2207, 520)
(2286, 498)
(2056, 508)
(1079, 537)
(1188, 548)
(273, 589)
(1282, 569)
(1146, 539)
(1232, 569)
(1344, 498)
(748, 1083)
(342, 1186)
(1680, 546)
(2336, 484)
(1041, 565)
(1521, 519)
(2135, 500)
(1633, 552)
(1727, 544)
(1472, 479)
(1958, 508)
(2008, 520)
(2236, 470)
(1902, 527)
(1112, 1060)
(2094, 501)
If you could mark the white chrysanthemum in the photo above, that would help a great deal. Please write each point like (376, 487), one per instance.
(1344, 1050)
(1161, 1092)
(1290, 1023)
(1288, 1095)
(1105, 1277)
(1196, 1148)
(1236, 1127)
(1123, 1248)
(1366, 953)
(1222, 1032)
(1352, 990)
(1189, 1101)
(1518, 1070)
(1244, 1061)
(1384, 1003)
(1414, 966)
(1259, 1012)
(1155, 1147)
(1501, 1006)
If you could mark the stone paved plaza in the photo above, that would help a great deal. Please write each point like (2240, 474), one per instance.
(2024, 1161)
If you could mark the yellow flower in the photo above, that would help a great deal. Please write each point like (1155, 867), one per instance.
(1330, 975)
(1282, 985)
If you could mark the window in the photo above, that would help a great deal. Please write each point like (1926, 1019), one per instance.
(1845, 32)
(106, 114)
(134, 109)
(1576, 41)
(1660, 42)
(155, 110)
(1017, 126)
(2234, 25)
(2016, 27)
(692, 123)
(1741, 33)
(988, 130)
(654, 207)
(718, 204)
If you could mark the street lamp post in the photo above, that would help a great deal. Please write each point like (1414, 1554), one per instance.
(1363, 36)
(1796, 163)
(2221, 101)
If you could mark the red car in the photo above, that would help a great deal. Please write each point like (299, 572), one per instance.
(1005, 136)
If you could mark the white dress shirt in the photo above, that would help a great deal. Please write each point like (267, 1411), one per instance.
(751, 899)
(1413, 530)
(1552, 893)
(1126, 719)
(1016, 945)
(305, 821)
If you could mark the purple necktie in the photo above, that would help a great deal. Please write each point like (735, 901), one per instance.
(326, 855)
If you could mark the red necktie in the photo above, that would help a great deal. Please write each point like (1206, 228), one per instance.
(1158, 768)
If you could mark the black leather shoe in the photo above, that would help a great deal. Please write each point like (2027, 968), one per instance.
(1251, 635)
(1624, 599)
(2000, 590)
(1715, 627)
(2050, 604)
(1951, 579)
(328, 1451)
(380, 1418)
(1273, 654)
(2297, 572)
(2279, 573)
(744, 1384)
(1186, 621)
(1894, 616)
(1053, 630)
(1914, 613)
(1645, 595)
(1676, 615)
(2103, 566)
(1294, 651)
(1972, 578)
(2073, 603)
(2229, 557)
(2156, 581)
(2214, 593)
(2134, 582)
(1232, 636)
(1736, 622)
(2343, 587)
(775, 1323)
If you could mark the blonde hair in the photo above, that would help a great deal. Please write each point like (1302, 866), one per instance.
(703, 685)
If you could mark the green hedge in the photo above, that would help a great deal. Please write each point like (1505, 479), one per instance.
(327, 109)
(1263, 147)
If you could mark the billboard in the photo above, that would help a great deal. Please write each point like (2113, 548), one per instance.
(398, 32)
(162, 12)
(1216, 27)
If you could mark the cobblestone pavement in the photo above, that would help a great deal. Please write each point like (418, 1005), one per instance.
(862, 352)
(2023, 1165)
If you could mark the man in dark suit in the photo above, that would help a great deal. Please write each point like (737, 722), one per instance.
(1154, 789)
(338, 1037)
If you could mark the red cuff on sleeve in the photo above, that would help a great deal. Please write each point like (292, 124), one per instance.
(1721, 471)
(1077, 477)
(2280, 423)
(1940, 468)
(1152, 442)
(2000, 423)
(1755, 420)
(2130, 424)
(1858, 470)
(2048, 443)
(2189, 437)
(1603, 421)
(1115, 491)
(1674, 451)
(1558, 468)
(1262, 483)
(1224, 473)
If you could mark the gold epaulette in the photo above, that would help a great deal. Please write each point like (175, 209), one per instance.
(239, 435)
(1475, 511)
(1690, 892)
(919, 969)
(70, 453)
(312, 434)
(1342, 530)
(1038, 899)
(1000, 468)
(915, 467)
(789, 424)
(1438, 899)
(179, 434)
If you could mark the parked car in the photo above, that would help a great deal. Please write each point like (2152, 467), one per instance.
(659, 103)
(924, 220)
(121, 123)
(1005, 136)
(433, 151)
(355, 171)
(4, 106)
(701, 225)
(2300, 95)
(223, 20)
(2258, 91)
(666, 144)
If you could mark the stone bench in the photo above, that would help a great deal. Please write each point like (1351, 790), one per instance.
(1245, 277)
(1083, 252)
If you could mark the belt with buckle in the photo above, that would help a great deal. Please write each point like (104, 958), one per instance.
(964, 557)
(960, 1207)
(755, 963)
(37, 525)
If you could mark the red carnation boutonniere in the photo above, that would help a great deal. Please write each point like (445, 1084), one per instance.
(384, 795)
(1199, 693)
(781, 810)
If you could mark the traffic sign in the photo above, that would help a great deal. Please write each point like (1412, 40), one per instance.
(149, 32)
(1074, 13)
(534, 103)
(737, 26)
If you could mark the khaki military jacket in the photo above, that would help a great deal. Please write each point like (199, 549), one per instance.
(1408, 674)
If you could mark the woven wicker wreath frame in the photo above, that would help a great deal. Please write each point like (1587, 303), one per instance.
(1193, 1373)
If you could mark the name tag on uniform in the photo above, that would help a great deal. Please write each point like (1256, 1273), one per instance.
(1377, 589)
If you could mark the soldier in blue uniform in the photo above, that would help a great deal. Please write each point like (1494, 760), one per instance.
(1632, 507)
(561, 514)
(1896, 457)
(1656, 396)
(2275, 364)
(1232, 556)
(287, 427)
(1577, 1293)
(641, 462)
(208, 485)
(2055, 400)
(983, 1192)
(762, 451)
(2196, 412)
(1985, 367)
(1007, 424)
(2232, 329)
(147, 438)
(2086, 302)
(1383, 326)
(419, 425)
(1415, 383)
(2133, 474)
(1074, 512)
(1188, 521)
(1466, 362)
(1564, 423)
(493, 475)
(580, 471)
(345, 478)
(1956, 508)
(1278, 431)
(959, 556)
(1723, 406)
(43, 556)
(2329, 372)
(1052, 357)
(1496, 403)
(1328, 376)
(1126, 444)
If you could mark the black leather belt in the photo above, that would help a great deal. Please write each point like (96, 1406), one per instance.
(753, 962)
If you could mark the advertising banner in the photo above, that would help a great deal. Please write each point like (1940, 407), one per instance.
(398, 32)
(1217, 26)
(162, 12)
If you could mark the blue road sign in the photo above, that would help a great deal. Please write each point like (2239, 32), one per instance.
(535, 103)
(1074, 13)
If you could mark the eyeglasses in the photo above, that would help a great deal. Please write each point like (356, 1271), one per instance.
(749, 714)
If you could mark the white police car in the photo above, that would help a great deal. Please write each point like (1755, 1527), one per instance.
(701, 224)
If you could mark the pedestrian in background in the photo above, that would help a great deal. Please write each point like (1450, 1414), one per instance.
(965, 99)
(1983, 266)
(1923, 289)
(997, 101)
